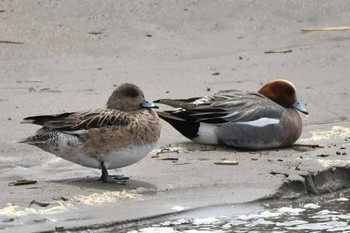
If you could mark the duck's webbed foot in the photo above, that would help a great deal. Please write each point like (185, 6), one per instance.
(120, 179)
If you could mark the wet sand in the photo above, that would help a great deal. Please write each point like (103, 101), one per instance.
(59, 56)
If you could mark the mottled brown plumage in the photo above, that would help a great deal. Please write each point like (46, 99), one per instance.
(114, 137)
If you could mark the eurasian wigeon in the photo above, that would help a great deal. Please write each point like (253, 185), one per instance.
(107, 138)
(251, 120)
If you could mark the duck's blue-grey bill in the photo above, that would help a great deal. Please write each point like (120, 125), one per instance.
(299, 107)
(147, 104)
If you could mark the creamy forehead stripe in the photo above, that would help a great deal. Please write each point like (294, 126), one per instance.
(260, 122)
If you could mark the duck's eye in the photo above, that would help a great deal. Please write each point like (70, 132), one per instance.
(289, 91)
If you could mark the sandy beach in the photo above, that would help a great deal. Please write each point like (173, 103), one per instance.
(59, 56)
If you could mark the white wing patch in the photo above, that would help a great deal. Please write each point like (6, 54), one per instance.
(261, 122)
(200, 101)
(207, 134)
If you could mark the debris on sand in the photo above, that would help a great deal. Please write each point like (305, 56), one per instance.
(308, 145)
(10, 42)
(22, 182)
(325, 29)
(171, 159)
(33, 80)
(226, 162)
(279, 51)
(41, 204)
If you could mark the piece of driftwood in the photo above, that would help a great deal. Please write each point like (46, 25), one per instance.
(325, 29)
(279, 51)
(227, 162)
(22, 182)
(41, 204)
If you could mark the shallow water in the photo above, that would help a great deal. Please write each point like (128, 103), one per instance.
(329, 213)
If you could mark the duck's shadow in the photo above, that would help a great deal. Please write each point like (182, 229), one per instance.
(191, 146)
(95, 183)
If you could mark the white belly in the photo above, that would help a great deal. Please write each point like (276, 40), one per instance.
(69, 148)
(126, 156)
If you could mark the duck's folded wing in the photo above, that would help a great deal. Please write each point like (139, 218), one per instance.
(202, 114)
(178, 103)
(230, 106)
(74, 121)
